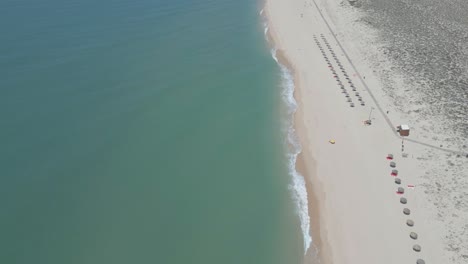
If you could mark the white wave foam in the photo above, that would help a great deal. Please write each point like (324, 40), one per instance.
(261, 12)
(265, 30)
(297, 185)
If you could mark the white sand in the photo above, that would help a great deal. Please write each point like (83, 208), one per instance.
(360, 217)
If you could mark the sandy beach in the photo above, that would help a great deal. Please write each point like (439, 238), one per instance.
(356, 213)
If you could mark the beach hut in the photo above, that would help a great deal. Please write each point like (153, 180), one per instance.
(403, 130)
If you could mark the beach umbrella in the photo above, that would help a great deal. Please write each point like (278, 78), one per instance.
(400, 190)
(348, 100)
(410, 222)
(392, 164)
(352, 105)
(413, 235)
(417, 248)
(420, 261)
(397, 180)
(332, 141)
(406, 211)
(403, 200)
(362, 103)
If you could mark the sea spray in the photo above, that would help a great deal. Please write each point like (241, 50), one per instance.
(297, 185)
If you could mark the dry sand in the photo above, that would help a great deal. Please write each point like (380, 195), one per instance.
(355, 211)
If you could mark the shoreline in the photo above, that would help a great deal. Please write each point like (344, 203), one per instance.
(307, 171)
(314, 252)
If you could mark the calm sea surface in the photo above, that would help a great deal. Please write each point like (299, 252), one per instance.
(141, 132)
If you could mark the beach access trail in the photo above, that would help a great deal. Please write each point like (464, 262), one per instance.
(356, 214)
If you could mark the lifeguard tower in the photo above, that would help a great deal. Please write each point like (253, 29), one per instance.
(403, 130)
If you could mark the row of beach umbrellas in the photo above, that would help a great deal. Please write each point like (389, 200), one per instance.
(406, 211)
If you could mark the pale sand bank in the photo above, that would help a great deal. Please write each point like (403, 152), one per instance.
(355, 212)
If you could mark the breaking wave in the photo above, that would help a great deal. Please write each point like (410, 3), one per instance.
(297, 185)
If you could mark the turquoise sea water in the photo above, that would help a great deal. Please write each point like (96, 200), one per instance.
(141, 132)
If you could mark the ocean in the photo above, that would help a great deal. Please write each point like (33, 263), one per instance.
(143, 132)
